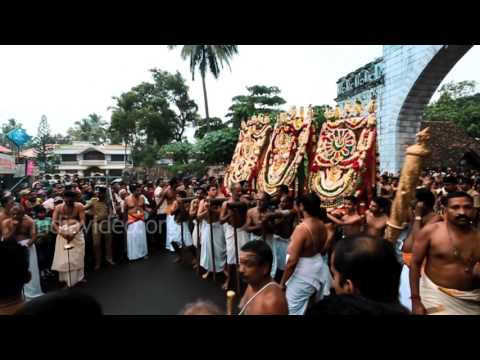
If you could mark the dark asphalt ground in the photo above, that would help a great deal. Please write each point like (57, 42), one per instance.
(155, 286)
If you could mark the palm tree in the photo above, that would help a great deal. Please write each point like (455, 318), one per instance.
(207, 56)
(91, 128)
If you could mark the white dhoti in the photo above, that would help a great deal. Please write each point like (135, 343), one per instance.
(136, 240)
(196, 234)
(405, 288)
(281, 246)
(177, 234)
(33, 288)
(172, 232)
(311, 275)
(70, 264)
(270, 240)
(443, 301)
(242, 238)
(219, 247)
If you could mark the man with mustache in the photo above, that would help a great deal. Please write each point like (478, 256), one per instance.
(445, 271)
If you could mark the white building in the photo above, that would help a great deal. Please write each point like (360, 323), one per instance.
(85, 159)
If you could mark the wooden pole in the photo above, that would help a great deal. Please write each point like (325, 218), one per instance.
(212, 243)
(237, 259)
(199, 249)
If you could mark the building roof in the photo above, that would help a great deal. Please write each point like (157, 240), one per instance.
(449, 144)
(80, 147)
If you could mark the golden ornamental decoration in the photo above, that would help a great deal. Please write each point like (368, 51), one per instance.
(252, 142)
(344, 155)
(286, 150)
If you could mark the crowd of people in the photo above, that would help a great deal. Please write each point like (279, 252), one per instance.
(281, 254)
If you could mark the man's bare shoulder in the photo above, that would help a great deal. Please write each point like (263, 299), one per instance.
(435, 226)
(274, 301)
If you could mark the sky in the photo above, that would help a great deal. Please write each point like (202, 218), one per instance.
(66, 83)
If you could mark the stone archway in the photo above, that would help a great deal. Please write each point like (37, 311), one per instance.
(412, 74)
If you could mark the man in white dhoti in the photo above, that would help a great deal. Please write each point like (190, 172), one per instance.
(258, 225)
(283, 225)
(445, 271)
(166, 202)
(209, 214)
(306, 272)
(135, 219)
(21, 228)
(233, 217)
(68, 222)
(423, 215)
(197, 225)
(180, 230)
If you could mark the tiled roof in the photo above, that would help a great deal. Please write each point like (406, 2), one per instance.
(449, 143)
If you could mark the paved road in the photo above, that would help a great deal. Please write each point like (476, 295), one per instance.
(155, 286)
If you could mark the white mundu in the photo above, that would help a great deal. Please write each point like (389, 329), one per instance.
(33, 288)
(281, 246)
(219, 247)
(242, 238)
(176, 233)
(196, 237)
(136, 241)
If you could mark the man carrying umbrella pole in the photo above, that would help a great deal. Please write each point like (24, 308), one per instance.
(213, 252)
(233, 217)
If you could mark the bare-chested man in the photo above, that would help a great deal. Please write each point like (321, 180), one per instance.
(376, 217)
(233, 219)
(283, 224)
(306, 272)
(209, 214)
(135, 220)
(21, 228)
(385, 188)
(351, 222)
(182, 238)
(169, 195)
(7, 204)
(263, 296)
(68, 221)
(450, 280)
(197, 224)
(259, 226)
(422, 215)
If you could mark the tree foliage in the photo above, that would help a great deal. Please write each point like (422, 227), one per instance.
(180, 152)
(152, 115)
(207, 57)
(217, 147)
(260, 100)
(457, 103)
(42, 145)
(92, 129)
(202, 126)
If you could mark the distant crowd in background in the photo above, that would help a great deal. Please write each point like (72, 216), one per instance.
(281, 255)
